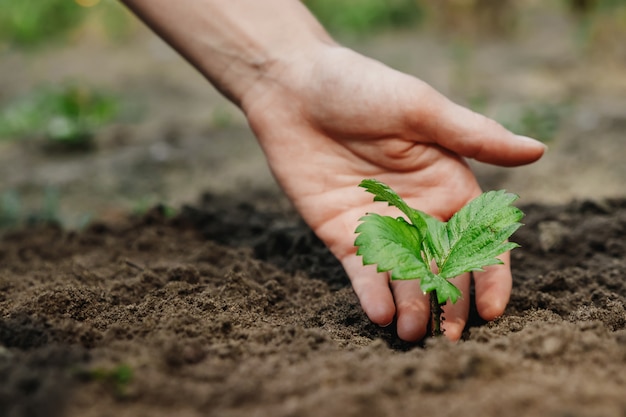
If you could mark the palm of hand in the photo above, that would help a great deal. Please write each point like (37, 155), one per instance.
(352, 119)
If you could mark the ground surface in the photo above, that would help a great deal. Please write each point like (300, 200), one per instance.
(233, 308)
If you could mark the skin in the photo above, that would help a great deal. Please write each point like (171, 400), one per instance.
(328, 117)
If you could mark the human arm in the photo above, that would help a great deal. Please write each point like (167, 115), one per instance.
(327, 117)
(239, 45)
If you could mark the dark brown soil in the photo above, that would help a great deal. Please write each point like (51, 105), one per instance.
(235, 309)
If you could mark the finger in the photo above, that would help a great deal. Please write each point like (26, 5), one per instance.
(456, 314)
(372, 289)
(413, 310)
(472, 135)
(493, 288)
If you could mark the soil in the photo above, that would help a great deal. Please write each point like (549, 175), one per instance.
(232, 307)
(235, 309)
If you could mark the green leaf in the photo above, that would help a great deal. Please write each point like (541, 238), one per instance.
(432, 231)
(382, 192)
(393, 244)
(435, 242)
(469, 241)
(444, 288)
(478, 233)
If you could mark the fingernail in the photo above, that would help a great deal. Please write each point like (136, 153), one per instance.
(528, 140)
(386, 325)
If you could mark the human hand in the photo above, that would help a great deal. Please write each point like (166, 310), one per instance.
(332, 118)
(326, 118)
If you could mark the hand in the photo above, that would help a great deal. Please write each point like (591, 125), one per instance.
(326, 118)
(336, 118)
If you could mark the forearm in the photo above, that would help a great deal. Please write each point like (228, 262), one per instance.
(235, 43)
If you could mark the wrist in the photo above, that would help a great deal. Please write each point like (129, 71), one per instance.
(241, 46)
(271, 54)
(285, 72)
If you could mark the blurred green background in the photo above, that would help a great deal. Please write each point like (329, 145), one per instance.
(32, 23)
(98, 118)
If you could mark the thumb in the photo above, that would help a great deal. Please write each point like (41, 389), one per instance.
(472, 135)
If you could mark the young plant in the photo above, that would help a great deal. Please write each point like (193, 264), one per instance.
(433, 251)
(118, 378)
(66, 117)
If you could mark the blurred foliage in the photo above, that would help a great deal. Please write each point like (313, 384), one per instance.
(222, 117)
(463, 18)
(31, 23)
(50, 208)
(360, 16)
(28, 22)
(65, 116)
(468, 19)
(601, 26)
(12, 214)
(589, 6)
(115, 19)
(540, 121)
(116, 379)
(146, 204)
(10, 209)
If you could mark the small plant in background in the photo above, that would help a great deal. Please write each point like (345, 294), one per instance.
(13, 211)
(117, 379)
(469, 241)
(145, 204)
(10, 209)
(66, 116)
(49, 212)
(541, 121)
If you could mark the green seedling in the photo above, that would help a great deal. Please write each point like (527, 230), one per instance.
(118, 378)
(66, 116)
(425, 248)
(541, 121)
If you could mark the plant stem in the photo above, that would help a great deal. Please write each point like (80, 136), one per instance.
(436, 313)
